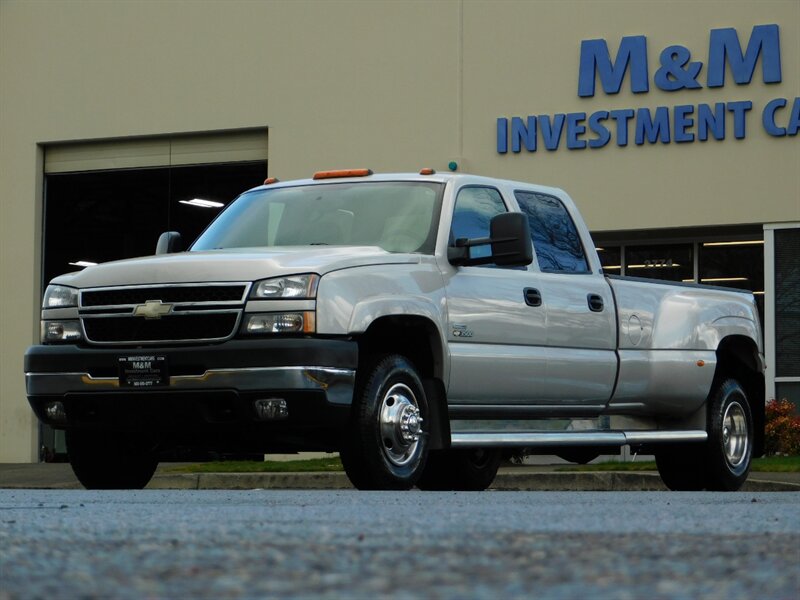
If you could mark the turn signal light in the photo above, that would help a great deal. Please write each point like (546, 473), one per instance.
(342, 173)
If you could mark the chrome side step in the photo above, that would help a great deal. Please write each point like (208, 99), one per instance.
(573, 438)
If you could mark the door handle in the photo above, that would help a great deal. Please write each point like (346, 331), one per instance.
(532, 297)
(595, 302)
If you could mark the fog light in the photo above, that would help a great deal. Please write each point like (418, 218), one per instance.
(272, 409)
(55, 412)
(61, 331)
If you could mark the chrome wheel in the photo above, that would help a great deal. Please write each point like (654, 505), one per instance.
(387, 443)
(400, 424)
(735, 441)
(730, 438)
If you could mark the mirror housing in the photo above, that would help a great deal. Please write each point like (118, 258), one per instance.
(169, 242)
(510, 240)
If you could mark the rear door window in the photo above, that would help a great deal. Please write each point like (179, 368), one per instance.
(555, 238)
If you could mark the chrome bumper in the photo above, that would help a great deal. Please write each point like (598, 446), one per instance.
(338, 384)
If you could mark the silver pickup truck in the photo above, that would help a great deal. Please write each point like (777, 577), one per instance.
(420, 324)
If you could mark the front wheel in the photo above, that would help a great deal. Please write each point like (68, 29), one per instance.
(103, 461)
(387, 444)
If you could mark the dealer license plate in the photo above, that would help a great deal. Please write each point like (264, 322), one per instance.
(143, 371)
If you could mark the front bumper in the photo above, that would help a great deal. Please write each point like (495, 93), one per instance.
(211, 386)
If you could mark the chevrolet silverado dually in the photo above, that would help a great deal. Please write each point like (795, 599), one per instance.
(422, 325)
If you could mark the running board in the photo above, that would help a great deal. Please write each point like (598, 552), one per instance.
(574, 438)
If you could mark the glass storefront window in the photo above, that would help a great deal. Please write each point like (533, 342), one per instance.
(789, 390)
(733, 264)
(610, 259)
(671, 262)
(787, 304)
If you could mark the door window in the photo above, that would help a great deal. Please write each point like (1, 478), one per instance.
(553, 233)
(475, 207)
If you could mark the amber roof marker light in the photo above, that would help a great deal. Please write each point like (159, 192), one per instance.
(427, 171)
(342, 173)
(271, 180)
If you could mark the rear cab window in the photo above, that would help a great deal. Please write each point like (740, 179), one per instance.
(556, 242)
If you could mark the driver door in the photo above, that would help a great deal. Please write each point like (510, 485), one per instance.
(496, 326)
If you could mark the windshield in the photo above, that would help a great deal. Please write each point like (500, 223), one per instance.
(397, 216)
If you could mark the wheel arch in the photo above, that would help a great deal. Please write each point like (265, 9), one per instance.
(418, 339)
(738, 357)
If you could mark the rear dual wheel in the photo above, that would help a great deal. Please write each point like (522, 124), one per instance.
(471, 469)
(723, 462)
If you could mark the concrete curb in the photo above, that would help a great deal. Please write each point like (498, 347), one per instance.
(250, 481)
(59, 476)
(508, 481)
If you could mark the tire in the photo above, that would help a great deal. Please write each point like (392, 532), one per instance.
(471, 470)
(730, 438)
(681, 467)
(580, 456)
(723, 462)
(103, 461)
(387, 441)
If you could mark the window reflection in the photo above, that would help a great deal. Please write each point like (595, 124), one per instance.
(555, 239)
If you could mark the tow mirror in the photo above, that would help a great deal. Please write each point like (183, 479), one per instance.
(510, 241)
(169, 242)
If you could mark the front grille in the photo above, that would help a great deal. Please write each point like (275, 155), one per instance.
(172, 328)
(168, 294)
(186, 313)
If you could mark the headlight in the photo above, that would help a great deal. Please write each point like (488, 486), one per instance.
(59, 296)
(265, 323)
(296, 286)
(61, 331)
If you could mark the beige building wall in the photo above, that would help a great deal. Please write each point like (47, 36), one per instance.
(389, 85)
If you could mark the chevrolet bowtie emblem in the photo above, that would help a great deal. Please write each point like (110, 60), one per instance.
(152, 309)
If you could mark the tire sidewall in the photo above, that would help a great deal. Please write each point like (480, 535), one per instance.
(478, 467)
(722, 475)
(386, 373)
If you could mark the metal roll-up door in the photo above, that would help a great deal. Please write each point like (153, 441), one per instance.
(161, 151)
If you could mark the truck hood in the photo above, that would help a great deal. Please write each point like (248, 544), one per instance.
(238, 264)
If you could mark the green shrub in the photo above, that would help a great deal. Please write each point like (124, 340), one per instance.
(782, 428)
